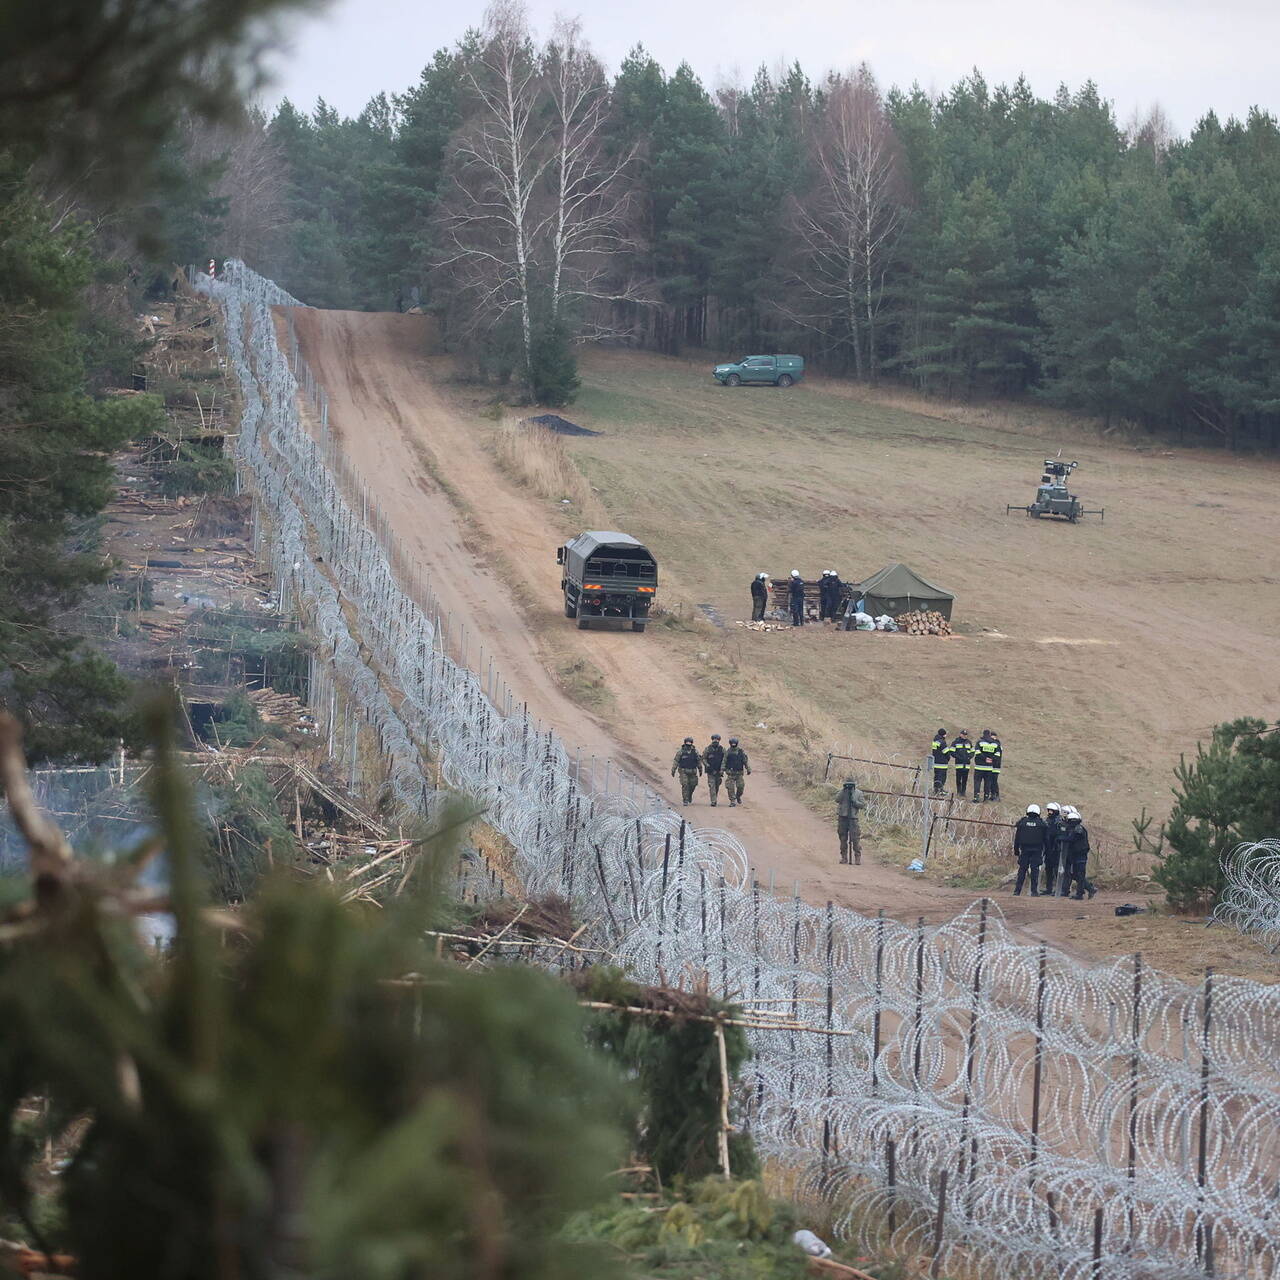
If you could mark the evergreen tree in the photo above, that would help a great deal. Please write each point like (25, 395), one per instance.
(1229, 794)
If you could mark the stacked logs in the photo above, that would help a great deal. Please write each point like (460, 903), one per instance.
(922, 623)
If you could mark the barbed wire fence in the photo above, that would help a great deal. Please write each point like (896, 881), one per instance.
(1250, 900)
(947, 1090)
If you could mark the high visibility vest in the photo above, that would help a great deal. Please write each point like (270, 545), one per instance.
(939, 750)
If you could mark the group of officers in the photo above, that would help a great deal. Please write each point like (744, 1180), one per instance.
(1059, 842)
(985, 758)
(717, 764)
(830, 596)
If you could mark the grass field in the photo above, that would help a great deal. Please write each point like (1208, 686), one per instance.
(1099, 651)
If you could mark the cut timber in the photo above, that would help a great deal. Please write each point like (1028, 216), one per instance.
(919, 623)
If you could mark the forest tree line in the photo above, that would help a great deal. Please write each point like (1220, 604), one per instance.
(983, 241)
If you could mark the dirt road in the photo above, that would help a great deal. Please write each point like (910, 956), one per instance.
(485, 544)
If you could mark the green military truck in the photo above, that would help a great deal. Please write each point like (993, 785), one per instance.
(607, 575)
(778, 371)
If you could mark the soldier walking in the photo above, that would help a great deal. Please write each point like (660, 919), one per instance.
(1053, 829)
(1029, 835)
(759, 596)
(735, 765)
(1073, 846)
(962, 754)
(688, 764)
(795, 597)
(713, 766)
(849, 804)
(940, 753)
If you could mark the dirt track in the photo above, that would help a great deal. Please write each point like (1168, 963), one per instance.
(472, 530)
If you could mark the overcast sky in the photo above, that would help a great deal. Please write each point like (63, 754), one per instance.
(1187, 55)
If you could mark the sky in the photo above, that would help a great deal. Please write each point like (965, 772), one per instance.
(1189, 56)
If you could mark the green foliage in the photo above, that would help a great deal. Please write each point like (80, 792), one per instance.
(676, 1063)
(251, 835)
(278, 1099)
(199, 468)
(717, 1230)
(553, 371)
(1230, 793)
(277, 656)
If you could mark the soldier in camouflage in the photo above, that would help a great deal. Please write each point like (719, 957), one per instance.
(736, 765)
(688, 764)
(713, 766)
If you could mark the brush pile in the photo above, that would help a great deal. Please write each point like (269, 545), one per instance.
(920, 623)
(547, 917)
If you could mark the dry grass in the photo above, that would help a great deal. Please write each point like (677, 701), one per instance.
(537, 459)
(1169, 604)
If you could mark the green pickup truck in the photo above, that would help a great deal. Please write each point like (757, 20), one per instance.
(778, 371)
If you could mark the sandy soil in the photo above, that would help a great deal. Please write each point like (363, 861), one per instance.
(487, 544)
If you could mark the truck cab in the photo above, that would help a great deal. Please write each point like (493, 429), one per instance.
(606, 574)
(777, 371)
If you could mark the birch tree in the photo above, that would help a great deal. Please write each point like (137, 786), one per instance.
(490, 221)
(588, 238)
(849, 223)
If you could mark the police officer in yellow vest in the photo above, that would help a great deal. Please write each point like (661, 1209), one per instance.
(983, 764)
(940, 752)
(997, 760)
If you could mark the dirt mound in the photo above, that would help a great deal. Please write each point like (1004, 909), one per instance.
(561, 426)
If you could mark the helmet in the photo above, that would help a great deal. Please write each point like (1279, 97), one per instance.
(733, 742)
(850, 782)
(688, 739)
(795, 573)
(762, 576)
(715, 737)
(1034, 808)
(1053, 806)
(1073, 814)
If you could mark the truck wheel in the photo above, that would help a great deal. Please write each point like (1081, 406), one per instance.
(733, 381)
(637, 626)
(785, 380)
(569, 610)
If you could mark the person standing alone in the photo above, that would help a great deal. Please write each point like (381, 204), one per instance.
(997, 763)
(795, 597)
(759, 596)
(713, 766)
(849, 804)
(1029, 835)
(688, 764)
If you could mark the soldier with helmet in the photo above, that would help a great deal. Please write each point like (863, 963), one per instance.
(736, 765)
(688, 764)
(1053, 829)
(1029, 834)
(713, 766)
(1073, 845)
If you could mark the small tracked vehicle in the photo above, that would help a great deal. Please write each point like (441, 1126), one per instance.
(1052, 497)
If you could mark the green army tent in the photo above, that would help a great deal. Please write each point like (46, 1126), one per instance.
(897, 589)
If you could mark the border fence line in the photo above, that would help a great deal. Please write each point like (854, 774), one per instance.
(984, 1097)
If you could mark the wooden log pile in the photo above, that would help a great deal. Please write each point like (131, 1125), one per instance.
(923, 623)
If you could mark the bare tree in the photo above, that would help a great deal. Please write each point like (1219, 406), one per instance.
(587, 223)
(490, 220)
(849, 223)
(1151, 129)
